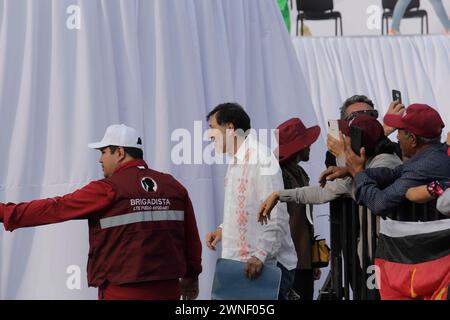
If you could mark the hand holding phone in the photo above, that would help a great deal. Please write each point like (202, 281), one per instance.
(333, 128)
(356, 136)
(355, 158)
(397, 96)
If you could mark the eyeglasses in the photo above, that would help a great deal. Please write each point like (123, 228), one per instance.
(371, 113)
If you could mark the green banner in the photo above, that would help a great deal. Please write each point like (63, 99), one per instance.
(285, 12)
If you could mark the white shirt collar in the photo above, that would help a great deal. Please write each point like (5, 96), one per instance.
(240, 154)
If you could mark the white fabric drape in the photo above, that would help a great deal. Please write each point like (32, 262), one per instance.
(337, 68)
(156, 65)
(159, 65)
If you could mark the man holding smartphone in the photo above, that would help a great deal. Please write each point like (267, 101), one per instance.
(382, 189)
(353, 107)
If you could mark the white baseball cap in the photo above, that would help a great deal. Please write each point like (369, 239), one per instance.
(118, 135)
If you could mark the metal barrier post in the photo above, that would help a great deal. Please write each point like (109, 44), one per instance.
(365, 253)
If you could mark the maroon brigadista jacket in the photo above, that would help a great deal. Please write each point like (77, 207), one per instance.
(142, 225)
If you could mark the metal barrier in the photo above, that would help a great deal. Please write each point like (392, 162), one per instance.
(353, 239)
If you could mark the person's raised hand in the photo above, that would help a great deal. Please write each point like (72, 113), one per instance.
(332, 173)
(394, 108)
(354, 163)
(335, 146)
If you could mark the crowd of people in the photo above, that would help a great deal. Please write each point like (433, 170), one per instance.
(384, 174)
(144, 241)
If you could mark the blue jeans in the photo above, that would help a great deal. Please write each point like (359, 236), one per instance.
(400, 9)
(287, 281)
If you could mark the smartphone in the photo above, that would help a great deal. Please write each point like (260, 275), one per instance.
(396, 95)
(356, 136)
(333, 128)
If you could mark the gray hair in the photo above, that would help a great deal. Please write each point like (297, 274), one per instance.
(352, 100)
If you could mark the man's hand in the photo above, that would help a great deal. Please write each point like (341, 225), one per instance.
(212, 238)
(354, 163)
(189, 288)
(335, 146)
(419, 194)
(332, 173)
(448, 138)
(394, 108)
(253, 268)
(266, 207)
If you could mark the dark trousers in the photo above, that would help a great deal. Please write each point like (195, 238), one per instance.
(304, 284)
(287, 280)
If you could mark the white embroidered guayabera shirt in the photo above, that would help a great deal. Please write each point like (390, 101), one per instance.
(252, 176)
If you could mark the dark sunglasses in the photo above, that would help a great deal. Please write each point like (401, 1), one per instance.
(370, 113)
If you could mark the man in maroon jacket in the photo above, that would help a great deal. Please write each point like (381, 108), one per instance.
(143, 236)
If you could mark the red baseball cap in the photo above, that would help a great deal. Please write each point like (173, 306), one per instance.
(371, 127)
(420, 119)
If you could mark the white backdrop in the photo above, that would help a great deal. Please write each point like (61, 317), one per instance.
(157, 65)
(160, 65)
(337, 68)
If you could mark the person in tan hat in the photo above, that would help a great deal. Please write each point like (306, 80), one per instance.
(419, 135)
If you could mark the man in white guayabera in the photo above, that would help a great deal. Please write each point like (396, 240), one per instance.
(253, 174)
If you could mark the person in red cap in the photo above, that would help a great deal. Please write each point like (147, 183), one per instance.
(143, 237)
(433, 190)
(407, 252)
(419, 135)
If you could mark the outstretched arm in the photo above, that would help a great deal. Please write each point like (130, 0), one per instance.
(378, 199)
(419, 194)
(81, 204)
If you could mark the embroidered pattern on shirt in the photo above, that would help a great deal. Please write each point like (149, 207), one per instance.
(241, 214)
